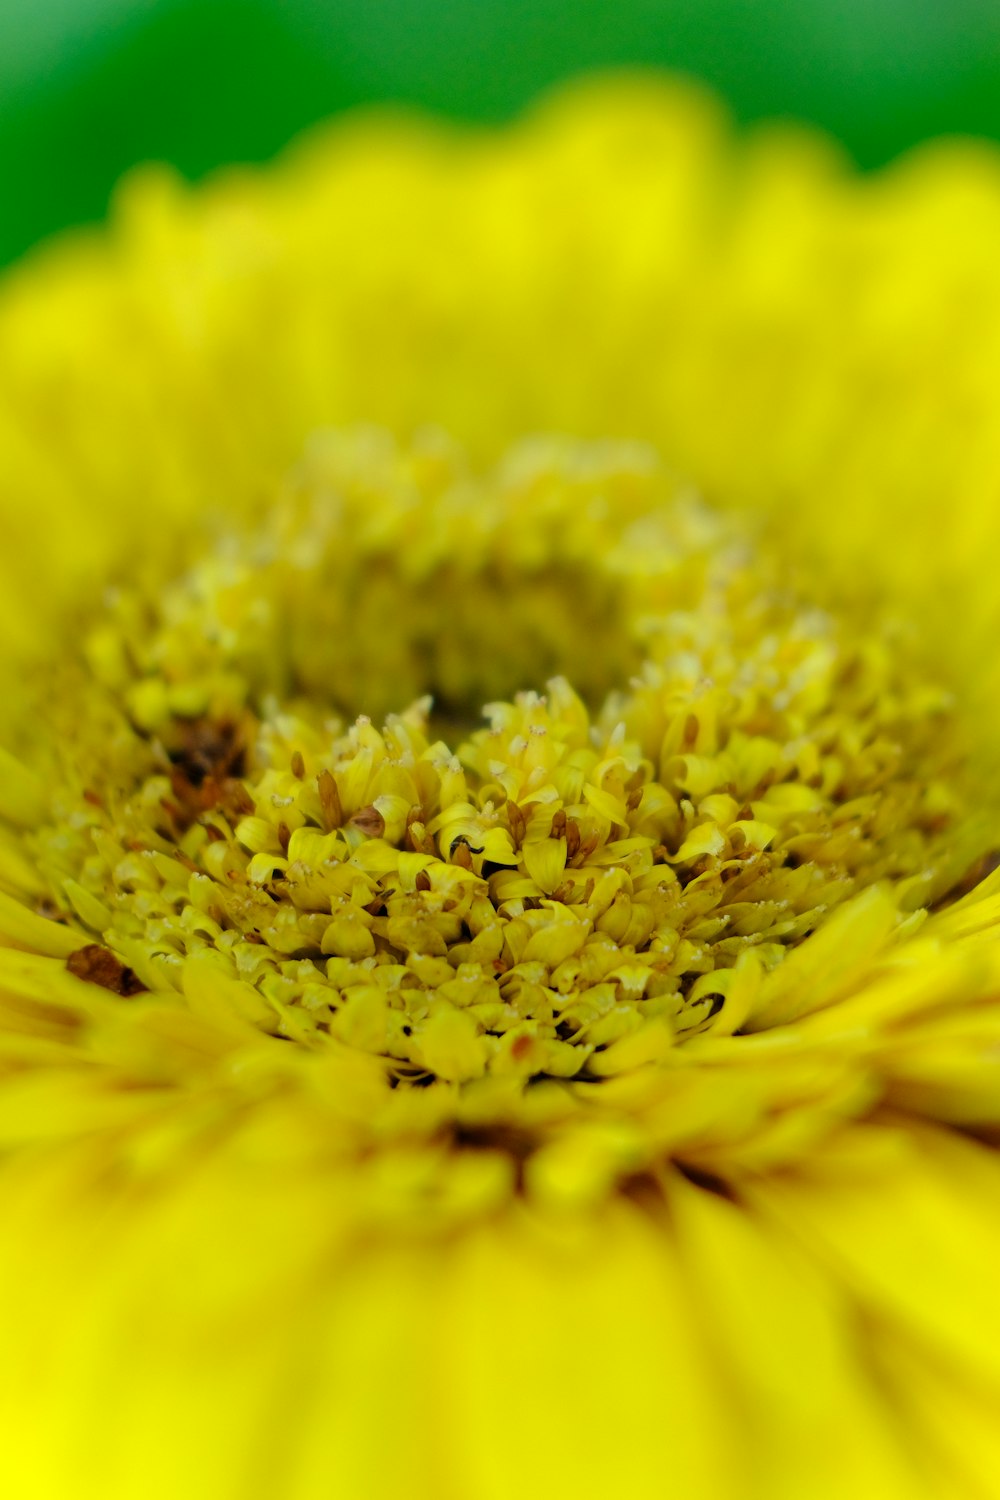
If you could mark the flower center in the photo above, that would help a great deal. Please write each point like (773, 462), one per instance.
(595, 874)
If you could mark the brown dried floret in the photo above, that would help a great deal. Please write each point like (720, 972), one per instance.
(329, 801)
(98, 965)
(369, 821)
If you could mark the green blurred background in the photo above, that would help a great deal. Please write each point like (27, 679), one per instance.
(89, 87)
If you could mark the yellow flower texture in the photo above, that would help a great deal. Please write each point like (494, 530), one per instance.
(499, 936)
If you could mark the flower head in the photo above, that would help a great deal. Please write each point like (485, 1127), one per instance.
(499, 954)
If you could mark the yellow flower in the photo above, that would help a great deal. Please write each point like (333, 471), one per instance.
(498, 946)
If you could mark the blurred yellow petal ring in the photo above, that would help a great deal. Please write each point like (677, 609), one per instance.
(498, 956)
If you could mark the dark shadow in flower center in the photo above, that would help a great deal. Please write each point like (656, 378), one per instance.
(463, 638)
